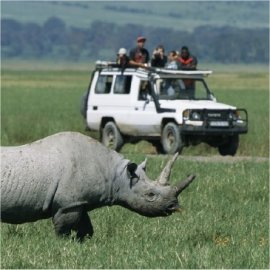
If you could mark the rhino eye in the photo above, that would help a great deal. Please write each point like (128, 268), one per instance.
(151, 196)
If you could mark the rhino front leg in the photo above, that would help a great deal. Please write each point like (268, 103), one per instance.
(84, 227)
(73, 217)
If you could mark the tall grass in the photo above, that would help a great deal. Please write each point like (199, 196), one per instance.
(37, 104)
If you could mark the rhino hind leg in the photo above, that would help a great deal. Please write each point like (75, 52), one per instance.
(65, 220)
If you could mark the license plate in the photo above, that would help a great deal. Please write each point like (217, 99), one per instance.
(219, 124)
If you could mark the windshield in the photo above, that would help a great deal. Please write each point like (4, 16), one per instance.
(177, 89)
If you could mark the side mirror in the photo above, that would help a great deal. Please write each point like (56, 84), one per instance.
(212, 97)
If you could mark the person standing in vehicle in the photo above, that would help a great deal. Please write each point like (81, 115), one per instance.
(139, 56)
(172, 64)
(122, 58)
(159, 59)
(172, 61)
(186, 60)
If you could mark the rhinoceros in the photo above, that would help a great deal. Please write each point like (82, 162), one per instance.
(65, 175)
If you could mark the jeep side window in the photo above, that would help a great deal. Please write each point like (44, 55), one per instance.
(187, 87)
(169, 88)
(177, 89)
(104, 84)
(122, 84)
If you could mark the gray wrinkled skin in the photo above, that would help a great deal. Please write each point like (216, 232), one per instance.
(68, 174)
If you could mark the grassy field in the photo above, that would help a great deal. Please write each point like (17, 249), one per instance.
(225, 221)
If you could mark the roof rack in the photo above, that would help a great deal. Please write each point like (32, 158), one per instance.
(152, 70)
(183, 71)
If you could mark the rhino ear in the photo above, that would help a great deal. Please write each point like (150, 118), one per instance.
(131, 168)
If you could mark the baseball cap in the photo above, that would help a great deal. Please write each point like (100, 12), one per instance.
(122, 51)
(141, 38)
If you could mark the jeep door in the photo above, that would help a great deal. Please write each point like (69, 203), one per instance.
(143, 118)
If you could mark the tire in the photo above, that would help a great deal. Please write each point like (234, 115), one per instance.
(171, 139)
(230, 147)
(111, 136)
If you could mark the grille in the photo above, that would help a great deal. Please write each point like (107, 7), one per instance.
(217, 114)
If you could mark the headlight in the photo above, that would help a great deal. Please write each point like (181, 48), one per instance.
(234, 115)
(231, 115)
(238, 114)
(195, 116)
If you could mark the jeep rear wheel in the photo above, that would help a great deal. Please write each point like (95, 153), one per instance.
(111, 136)
(171, 139)
(230, 147)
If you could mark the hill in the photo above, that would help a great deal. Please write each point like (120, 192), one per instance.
(226, 32)
(174, 15)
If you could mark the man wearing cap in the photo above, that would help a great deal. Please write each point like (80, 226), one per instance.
(139, 56)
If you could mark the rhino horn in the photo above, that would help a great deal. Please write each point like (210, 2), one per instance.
(143, 164)
(165, 174)
(184, 184)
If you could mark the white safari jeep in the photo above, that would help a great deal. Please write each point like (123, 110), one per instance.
(169, 108)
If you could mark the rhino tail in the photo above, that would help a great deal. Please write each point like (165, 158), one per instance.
(50, 195)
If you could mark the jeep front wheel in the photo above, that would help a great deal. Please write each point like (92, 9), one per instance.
(171, 139)
(111, 136)
(230, 147)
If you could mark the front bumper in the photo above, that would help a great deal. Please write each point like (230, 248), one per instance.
(216, 122)
(206, 130)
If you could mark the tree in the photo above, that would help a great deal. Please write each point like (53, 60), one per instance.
(10, 38)
(54, 40)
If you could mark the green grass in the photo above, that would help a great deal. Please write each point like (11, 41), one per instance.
(225, 221)
(224, 224)
(36, 104)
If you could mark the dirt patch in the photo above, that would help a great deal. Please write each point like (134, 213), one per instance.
(226, 159)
